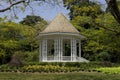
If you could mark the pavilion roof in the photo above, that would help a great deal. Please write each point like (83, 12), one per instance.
(60, 24)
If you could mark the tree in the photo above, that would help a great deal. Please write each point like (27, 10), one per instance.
(38, 24)
(12, 35)
(85, 9)
(112, 5)
(82, 8)
(13, 3)
(100, 41)
(32, 20)
(17, 38)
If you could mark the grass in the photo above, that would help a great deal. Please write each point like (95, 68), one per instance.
(59, 76)
(109, 70)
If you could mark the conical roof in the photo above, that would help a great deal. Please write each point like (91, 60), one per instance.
(60, 24)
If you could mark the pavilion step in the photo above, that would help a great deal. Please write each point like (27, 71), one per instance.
(81, 59)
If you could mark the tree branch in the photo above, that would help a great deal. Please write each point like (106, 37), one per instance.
(23, 1)
(113, 7)
(31, 8)
(9, 7)
(110, 29)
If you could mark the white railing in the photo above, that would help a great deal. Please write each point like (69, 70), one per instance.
(65, 59)
(50, 58)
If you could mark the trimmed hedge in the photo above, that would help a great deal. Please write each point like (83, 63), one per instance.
(76, 64)
(49, 68)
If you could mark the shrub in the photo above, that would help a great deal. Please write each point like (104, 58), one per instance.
(17, 59)
(47, 68)
(31, 56)
(75, 64)
(103, 56)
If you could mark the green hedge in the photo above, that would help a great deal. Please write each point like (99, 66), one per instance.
(56, 67)
(76, 64)
(49, 68)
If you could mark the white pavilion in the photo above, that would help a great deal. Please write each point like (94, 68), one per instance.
(60, 41)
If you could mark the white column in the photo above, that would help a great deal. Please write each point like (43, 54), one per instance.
(60, 48)
(55, 50)
(79, 48)
(44, 50)
(73, 50)
(40, 51)
(56, 56)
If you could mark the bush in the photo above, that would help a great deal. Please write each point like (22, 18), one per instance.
(103, 56)
(75, 64)
(17, 59)
(48, 68)
(31, 56)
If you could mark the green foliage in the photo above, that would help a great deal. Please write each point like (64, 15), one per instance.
(103, 56)
(98, 39)
(56, 67)
(100, 28)
(75, 64)
(48, 68)
(15, 37)
(82, 8)
(31, 56)
(11, 36)
(110, 70)
(32, 20)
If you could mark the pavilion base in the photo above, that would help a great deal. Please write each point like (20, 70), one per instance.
(65, 59)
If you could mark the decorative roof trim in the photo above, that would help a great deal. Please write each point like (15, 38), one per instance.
(63, 33)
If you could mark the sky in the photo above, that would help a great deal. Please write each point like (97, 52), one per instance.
(46, 11)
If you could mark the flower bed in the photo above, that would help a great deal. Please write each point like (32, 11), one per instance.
(48, 68)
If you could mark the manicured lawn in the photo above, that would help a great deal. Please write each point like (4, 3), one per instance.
(110, 70)
(59, 76)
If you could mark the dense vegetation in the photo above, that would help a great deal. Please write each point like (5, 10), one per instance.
(100, 28)
(19, 45)
(18, 42)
